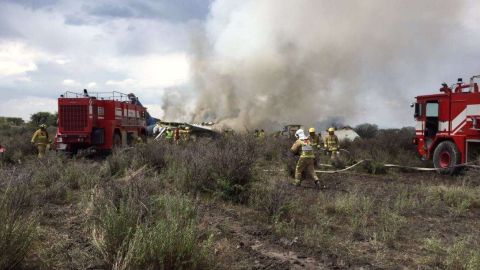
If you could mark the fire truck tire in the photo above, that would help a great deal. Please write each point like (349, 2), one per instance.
(445, 157)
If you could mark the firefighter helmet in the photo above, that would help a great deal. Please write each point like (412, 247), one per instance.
(300, 134)
(311, 130)
(331, 129)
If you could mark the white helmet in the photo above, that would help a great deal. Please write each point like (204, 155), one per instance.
(300, 134)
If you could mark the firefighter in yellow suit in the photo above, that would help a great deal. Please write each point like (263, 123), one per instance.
(331, 144)
(41, 140)
(303, 146)
(315, 140)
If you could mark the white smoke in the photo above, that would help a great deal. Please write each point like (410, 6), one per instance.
(259, 62)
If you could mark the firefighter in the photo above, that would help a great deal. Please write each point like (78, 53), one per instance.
(185, 134)
(169, 135)
(176, 136)
(256, 133)
(261, 134)
(314, 138)
(303, 147)
(331, 144)
(41, 140)
(138, 140)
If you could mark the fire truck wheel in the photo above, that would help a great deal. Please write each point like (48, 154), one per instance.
(445, 157)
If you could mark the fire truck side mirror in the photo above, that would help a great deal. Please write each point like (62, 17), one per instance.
(418, 110)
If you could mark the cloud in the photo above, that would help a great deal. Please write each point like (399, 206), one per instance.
(25, 106)
(171, 52)
(124, 83)
(173, 11)
(69, 82)
(17, 59)
(34, 4)
(91, 85)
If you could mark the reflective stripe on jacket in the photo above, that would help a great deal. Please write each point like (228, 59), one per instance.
(307, 149)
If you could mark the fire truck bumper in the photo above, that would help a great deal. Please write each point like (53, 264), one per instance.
(62, 146)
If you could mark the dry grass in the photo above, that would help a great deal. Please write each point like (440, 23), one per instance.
(139, 208)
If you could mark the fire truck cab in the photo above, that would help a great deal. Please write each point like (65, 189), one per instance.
(448, 126)
(99, 121)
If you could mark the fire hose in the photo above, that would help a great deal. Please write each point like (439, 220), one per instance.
(388, 165)
(467, 164)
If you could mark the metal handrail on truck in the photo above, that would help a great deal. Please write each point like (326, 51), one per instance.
(114, 95)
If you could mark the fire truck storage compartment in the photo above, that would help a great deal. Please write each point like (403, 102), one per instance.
(431, 119)
(98, 136)
(473, 150)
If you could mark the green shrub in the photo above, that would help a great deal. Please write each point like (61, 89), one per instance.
(461, 256)
(271, 199)
(17, 225)
(115, 220)
(458, 198)
(134, 231)
(389, 225)
(16, 141)
(224, 167)
(357, 209)
(171, 241)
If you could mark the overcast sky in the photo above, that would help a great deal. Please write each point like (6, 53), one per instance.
(51, 46)
(144, 46)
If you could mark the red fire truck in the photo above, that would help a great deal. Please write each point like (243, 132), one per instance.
(99, 121)
(448, 125)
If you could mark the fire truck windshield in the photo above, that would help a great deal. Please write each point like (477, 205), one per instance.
(432, 110)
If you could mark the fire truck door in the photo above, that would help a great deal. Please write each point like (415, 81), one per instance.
(431, 119)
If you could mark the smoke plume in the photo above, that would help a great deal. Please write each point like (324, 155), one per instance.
(261, 62)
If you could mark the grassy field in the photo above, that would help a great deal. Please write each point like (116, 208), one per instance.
(229, 204)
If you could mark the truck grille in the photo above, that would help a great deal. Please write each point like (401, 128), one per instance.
(73, 117)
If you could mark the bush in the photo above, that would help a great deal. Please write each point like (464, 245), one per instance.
(116, 216)
(458, 198)
(16, 140)
(171, 241)
(134, 231)
(366, 130)
(388, 146)
(18, 225)
(223, 167)
(389, 225)
(272, 199)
